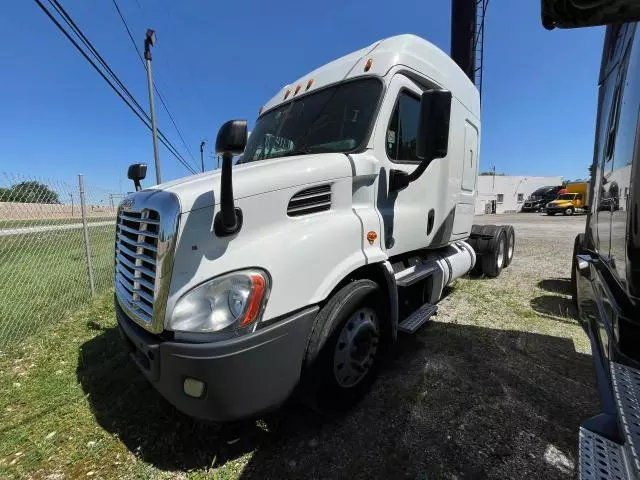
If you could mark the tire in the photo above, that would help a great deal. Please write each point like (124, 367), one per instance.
(551, 214)
(476, 231)
(578, 246)
(568, 211)
(493, 256)
(511, 244)
(340, 365)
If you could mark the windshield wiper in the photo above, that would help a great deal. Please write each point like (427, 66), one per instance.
(306, 151)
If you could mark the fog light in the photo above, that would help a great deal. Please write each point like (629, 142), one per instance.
(193, 388)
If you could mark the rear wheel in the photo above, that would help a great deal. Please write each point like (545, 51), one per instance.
(551, 213)
(568, 211)
(511, 243)
(344, 350)
(494, 253)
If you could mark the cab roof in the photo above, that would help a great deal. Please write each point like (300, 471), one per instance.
(419, 56)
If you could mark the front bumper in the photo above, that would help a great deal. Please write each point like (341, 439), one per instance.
(530, 208)
(557, 209)
(243, 377)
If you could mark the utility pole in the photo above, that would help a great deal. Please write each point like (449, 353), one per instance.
(202, 155)
(149, 41)
(494, 177)
(71, 195)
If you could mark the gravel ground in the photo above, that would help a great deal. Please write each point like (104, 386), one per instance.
(495, 387)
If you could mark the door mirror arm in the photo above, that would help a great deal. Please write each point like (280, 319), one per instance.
(432, 137)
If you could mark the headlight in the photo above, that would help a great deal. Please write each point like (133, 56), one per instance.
(233, 303)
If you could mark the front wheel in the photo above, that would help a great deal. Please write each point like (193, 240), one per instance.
(578, 245)
(568, 211)
(344, 351)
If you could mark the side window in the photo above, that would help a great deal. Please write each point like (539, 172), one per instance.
(614, 114)
(521, 197)
(500, 198)
(403, 129)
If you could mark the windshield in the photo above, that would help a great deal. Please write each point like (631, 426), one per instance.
(335, 119)
(567, 196)
(543, 191)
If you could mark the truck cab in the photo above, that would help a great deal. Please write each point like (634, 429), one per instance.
(606, 257)
(539, 198)
(566, 203)
(341, 223)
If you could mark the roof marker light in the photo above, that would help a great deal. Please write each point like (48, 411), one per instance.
(260, 111)
(295, 92)
(309, 83)
(286, 94)
(367, 66)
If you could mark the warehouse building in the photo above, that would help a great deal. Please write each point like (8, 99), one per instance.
(507, 193)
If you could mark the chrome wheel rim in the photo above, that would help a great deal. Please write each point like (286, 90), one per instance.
(356, 348)
(500, 254)
(511, 242)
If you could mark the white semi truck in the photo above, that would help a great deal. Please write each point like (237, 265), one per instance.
(347, 215)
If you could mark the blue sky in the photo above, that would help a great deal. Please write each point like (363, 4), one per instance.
(219, 60)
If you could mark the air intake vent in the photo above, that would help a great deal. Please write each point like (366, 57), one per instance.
(310, 200)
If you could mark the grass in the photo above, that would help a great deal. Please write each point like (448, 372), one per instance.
(496, 386)
(61, 399)
(45, 222)
(43, 274)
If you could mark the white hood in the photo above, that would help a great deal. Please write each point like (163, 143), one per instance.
(203, 190)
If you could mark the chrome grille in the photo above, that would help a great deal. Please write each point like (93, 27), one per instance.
(135, 260)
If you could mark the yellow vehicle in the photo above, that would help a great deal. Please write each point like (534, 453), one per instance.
(575, 199)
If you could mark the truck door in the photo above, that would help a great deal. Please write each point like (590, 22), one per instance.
(612, 86)
(409, 214)
(625, 142)
(470, 165)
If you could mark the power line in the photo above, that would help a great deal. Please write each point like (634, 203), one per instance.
(69, 21)
(166, 108)
(139, 112)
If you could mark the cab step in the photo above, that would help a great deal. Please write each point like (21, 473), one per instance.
(418, 318)
(600, 458)
(626, 390)
(415, 273)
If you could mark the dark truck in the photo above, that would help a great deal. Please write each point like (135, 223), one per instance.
(539, 198)
(606, 259)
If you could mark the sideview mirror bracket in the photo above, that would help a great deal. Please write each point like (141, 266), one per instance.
(231, 140)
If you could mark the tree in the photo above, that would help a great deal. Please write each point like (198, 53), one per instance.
(29, 192)
(491, 173)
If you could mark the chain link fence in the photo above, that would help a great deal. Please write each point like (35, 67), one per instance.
(56, 250)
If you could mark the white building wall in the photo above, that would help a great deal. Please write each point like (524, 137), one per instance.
(509, 191)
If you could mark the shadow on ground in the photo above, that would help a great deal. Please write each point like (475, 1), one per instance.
(457, 401)
(556, 285)
(559, 306)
